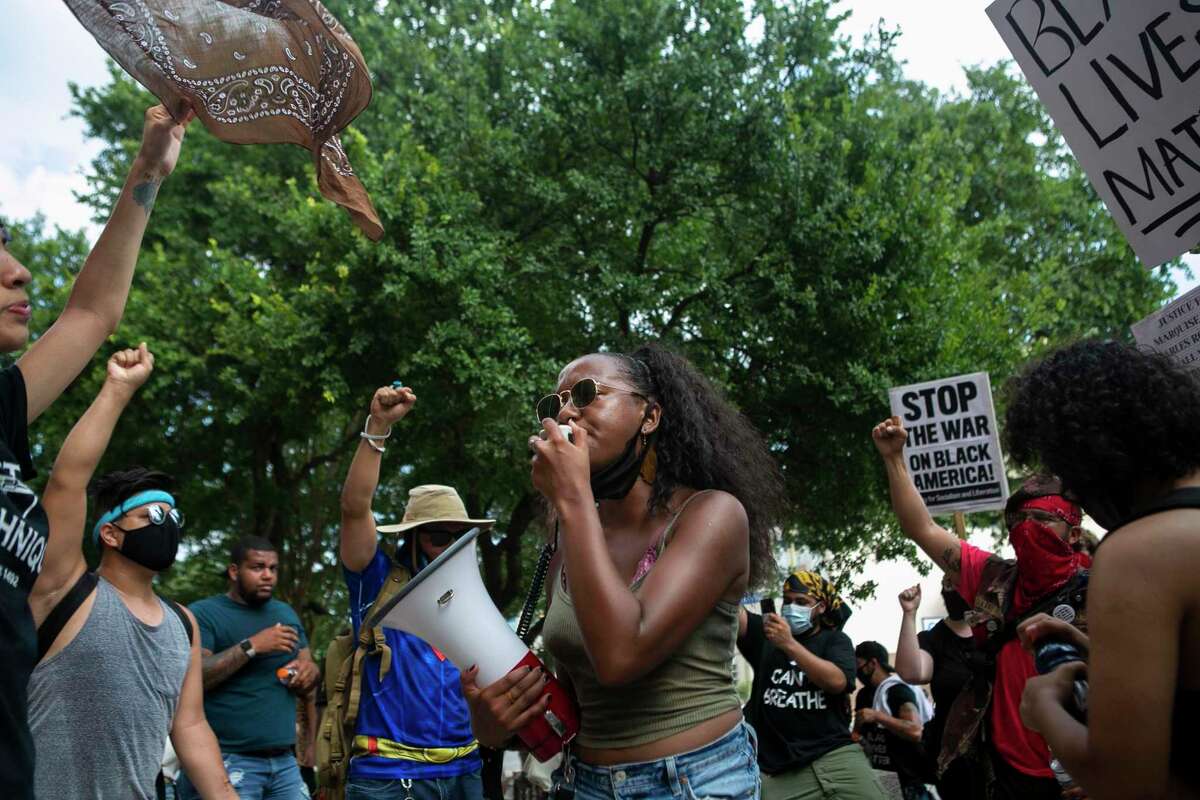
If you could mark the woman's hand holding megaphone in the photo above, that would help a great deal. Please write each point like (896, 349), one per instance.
(500, 710)
(561, 467)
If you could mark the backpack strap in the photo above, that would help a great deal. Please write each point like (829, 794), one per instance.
(370, 641)
(67, 606)
(183, 617)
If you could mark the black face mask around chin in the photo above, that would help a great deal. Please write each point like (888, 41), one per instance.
(956, 607)
(614, 481)
(153, 546)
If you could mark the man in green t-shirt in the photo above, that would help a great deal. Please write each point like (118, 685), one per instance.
(256, 664)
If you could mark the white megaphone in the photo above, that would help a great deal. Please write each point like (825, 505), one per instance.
(447, 605)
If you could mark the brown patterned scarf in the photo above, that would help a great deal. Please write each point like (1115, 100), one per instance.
(254, 71)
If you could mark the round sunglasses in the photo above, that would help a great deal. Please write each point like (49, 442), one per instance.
(158, 516)
(581, 394)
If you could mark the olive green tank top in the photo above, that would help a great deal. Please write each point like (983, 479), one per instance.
(693, 685)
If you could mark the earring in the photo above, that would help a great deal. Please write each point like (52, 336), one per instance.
(649, 469)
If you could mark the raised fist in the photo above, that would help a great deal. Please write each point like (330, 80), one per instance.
(910, 598)
(889, 437)
(130, 368)
(391, 404)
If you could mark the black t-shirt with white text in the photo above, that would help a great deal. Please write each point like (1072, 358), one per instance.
(796, 721)
(885, 750)
(951, 655)
(23, 531)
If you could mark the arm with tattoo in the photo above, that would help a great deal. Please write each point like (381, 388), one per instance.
(220, 667)
(97, 299)
(938, 543)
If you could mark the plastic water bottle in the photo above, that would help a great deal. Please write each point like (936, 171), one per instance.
(1065, 781)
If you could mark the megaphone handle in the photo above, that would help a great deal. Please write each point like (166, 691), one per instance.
(535, 589)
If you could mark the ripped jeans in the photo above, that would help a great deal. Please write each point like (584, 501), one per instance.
(254, 778)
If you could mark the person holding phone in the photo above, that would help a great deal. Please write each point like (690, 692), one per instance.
(804, 669)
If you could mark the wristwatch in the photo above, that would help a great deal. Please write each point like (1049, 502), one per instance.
(248, 648)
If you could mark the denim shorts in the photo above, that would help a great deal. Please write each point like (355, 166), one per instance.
(727, 768)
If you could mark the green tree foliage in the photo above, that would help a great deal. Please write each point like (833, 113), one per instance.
(807, 225)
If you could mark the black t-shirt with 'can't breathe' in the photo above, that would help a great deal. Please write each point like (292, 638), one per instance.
(796, 721)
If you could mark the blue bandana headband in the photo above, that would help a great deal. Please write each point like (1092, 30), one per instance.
(139, 499)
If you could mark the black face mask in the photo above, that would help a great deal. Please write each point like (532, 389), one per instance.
(1108, 511)
(614, 481)
(154, 546)
(956, 607)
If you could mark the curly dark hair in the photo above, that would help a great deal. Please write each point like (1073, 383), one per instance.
(1105, 417)
(703, 442)
(114, 488)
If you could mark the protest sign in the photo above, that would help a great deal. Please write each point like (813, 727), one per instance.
(1121, 81)
(953, 448)
(1174, 330)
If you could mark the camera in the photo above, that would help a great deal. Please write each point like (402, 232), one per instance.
(1049, 655)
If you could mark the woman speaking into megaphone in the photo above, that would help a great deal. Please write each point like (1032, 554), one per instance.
(664, 497)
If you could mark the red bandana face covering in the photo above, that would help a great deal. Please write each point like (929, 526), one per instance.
(1044, 561)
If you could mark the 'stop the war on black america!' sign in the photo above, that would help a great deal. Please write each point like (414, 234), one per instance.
(953, 448)
(1121, 79)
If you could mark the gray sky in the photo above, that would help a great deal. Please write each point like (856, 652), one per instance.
(42, 48)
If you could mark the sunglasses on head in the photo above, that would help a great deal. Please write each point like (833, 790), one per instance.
(581, 394)
(158, 515)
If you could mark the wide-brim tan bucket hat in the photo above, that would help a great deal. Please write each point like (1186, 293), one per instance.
(431, 504)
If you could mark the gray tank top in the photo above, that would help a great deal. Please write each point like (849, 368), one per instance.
(101, 708)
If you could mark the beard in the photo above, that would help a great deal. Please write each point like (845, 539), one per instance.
(252, 598)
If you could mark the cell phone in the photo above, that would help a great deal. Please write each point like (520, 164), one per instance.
(767, 605)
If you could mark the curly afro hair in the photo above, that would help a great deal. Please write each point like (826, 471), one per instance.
(1105, 417)
(703, 442)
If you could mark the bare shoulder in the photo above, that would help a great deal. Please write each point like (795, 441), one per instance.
(715, 512)
(1163, 548)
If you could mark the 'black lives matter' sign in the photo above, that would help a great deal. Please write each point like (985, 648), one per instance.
(953, 448)
(1121, 79)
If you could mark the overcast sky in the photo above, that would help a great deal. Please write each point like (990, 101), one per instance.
(42, 48)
